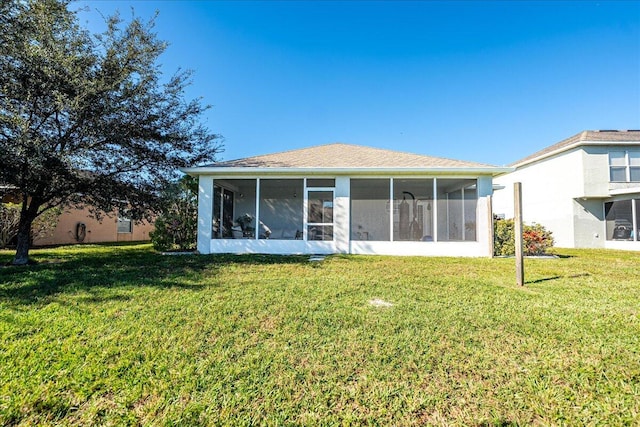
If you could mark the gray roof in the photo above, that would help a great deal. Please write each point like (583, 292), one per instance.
(583, 138)
(340, 155)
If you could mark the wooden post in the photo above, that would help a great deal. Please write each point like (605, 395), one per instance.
(517, 218)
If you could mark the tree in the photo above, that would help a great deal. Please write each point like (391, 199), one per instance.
(177, 225)
(9, 220)
(43, 226)
(86, 120)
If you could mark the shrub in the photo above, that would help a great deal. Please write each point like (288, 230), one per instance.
(177, 225)
(536, 239)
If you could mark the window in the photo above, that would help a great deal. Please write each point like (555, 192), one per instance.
(410, 212)
(281, 209)
(370, 209)
(619, 219)
(457, 202)
(413, 210)
(634, 166)
(320, 215)
(124, 225)
(624, 166)
(234, 209)
(329, 182)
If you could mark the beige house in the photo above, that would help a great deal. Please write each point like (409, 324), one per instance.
(341, 198)
(77, 226)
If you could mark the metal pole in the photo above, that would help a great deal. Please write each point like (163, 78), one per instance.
(517, 217)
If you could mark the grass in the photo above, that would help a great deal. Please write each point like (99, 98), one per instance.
(120, 335)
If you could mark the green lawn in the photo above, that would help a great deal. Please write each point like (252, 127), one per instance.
(117, 335)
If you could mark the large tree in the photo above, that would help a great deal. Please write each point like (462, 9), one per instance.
(88, 119)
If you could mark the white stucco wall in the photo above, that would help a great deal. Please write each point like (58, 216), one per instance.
(205, 212)
(548, 190)
(342, 215)
(595, 161)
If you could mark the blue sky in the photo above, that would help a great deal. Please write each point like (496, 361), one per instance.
(489, 82)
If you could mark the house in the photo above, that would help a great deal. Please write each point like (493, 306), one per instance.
(79, 226)
(585, 189)
(341, 198)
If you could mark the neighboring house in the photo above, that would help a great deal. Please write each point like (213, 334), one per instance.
(585, 189)
(78, 226)
(341, 198)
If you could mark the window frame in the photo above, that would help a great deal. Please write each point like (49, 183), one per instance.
(628, 165)
(324, 225)
(124, 220)
(633, 220)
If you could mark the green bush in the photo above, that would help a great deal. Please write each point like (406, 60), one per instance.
(536, 239)
(177, 225)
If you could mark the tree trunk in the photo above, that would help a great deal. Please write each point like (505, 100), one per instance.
(23, 239)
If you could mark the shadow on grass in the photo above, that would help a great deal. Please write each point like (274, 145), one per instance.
(99, 273)
(547, 279)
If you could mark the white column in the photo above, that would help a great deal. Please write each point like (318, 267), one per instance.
(435, 209)
(342, 215)
(484, 218)
(205, 213)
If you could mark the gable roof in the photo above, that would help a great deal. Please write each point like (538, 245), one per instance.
(587, 137)
(339, 156)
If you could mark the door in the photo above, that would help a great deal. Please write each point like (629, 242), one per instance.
(222, 213)
(320, 214)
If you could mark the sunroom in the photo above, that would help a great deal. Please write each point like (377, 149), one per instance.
(341, 198)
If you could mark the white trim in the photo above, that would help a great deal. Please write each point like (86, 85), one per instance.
(571, 147)
(434, 208)
(251, 171)
(622, 245)
(257, 232)
(392, 201)
(408, 248)
(620, 191)
(634, 225)
(273, 247)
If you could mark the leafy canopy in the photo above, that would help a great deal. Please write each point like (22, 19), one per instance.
(90, 119)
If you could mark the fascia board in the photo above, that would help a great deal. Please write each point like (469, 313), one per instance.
(228, 171)
(573, 146)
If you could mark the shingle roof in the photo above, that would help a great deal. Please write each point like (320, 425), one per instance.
(340, 155)
(583, 138)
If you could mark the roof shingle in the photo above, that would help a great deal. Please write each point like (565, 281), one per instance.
(339, 155)
(583, 137)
